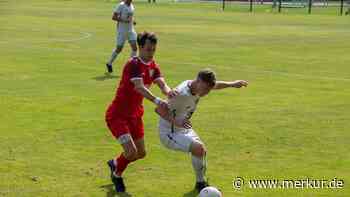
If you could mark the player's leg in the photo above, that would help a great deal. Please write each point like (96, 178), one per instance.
(133, 148)
(188, 142)
(119, 164)
(140, 146)
(133, 144)
(177, 141)
(132, 42)
(120, 130)
(121, 38)
(137, 133)
(128, 155)
(198, 156)
(199, 163)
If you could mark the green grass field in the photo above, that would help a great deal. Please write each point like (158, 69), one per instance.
(291, 123)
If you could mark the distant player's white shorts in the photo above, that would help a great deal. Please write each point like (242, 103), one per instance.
(179, 140)
(124, 36)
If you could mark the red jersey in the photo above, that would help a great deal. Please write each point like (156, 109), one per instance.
(128, 102)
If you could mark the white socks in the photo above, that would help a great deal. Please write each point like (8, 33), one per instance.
(200, 167)
(113, 57)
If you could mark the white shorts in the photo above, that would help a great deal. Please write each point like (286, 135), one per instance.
(180, 140)
(124, 36)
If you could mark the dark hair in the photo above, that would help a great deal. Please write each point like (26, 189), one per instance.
(207, 76)
(142, 37)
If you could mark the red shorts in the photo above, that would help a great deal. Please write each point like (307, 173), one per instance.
(123, 125)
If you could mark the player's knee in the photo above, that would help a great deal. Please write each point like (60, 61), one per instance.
(131, 154)
(134, 48)
(141, 154)
(202, 151)
(119, 49)
(199, 150)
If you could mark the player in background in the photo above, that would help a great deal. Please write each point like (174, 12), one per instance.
(124, 15)
(175, 128)
(124, 115)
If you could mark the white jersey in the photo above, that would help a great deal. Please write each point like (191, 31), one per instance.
(181, 106)
(126, 12)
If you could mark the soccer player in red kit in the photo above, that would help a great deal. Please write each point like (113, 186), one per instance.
(124, 115)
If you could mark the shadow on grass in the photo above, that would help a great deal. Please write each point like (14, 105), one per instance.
(106, 76)
(110, 192)
(192, 193)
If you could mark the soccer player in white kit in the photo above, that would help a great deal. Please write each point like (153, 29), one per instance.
(175, 128)
(124, 15)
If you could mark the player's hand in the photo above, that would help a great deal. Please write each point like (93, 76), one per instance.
(172, 93)
(134, 22)
(240, 83)
(162, 111)
(163, 104)
(128, 19)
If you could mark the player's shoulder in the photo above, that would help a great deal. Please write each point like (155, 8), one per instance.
(184, 88)
(134, 61)
(154, 64)
(121, 5)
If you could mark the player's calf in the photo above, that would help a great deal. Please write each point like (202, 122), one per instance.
(198, 151)
(119, 49)
(131, 154)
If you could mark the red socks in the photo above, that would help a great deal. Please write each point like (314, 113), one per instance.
(122, 163)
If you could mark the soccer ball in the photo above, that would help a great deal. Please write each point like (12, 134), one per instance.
(210, 192)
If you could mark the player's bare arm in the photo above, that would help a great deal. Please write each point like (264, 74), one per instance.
(132, 20)
(166, 90)
(117, 17)
(229, 84)
(145, 92)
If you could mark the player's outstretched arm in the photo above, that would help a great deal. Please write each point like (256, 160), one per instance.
(145, 92)
(229, 84)
(166, 90)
